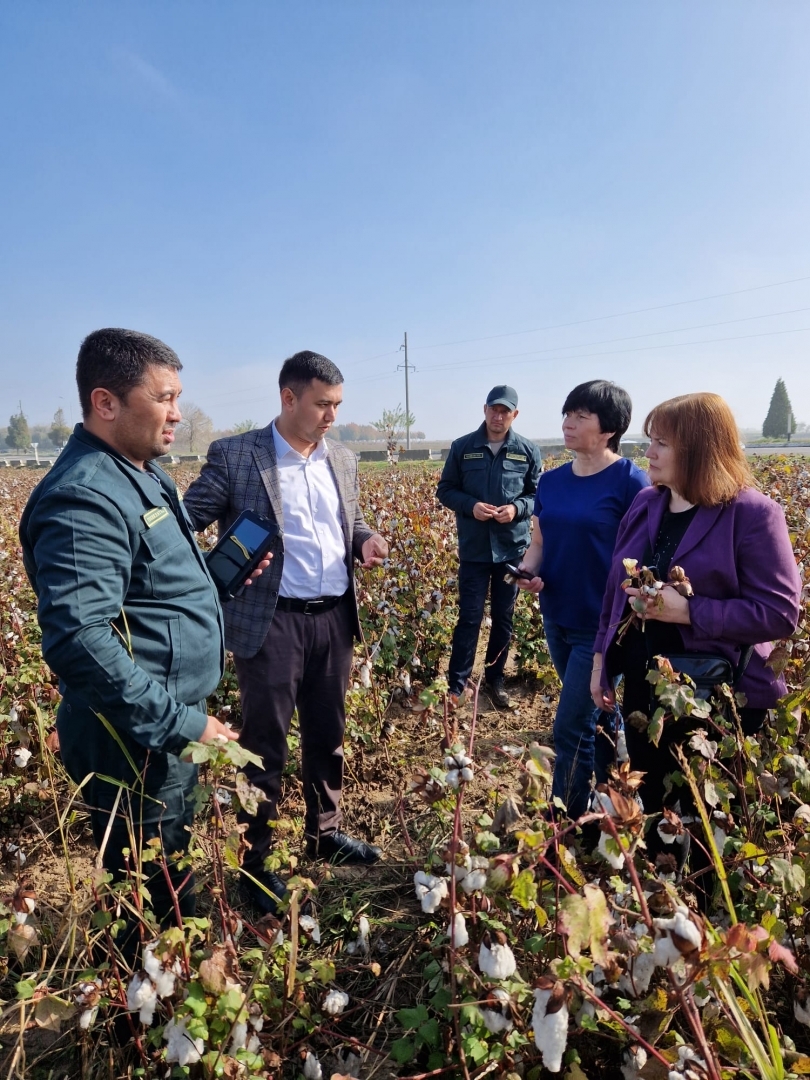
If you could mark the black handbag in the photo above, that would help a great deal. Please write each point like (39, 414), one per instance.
(706, 671)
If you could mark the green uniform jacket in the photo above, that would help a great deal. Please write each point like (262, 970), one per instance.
(130, 619)
(471, 474)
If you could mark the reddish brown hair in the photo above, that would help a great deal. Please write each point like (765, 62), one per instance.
(710, 463)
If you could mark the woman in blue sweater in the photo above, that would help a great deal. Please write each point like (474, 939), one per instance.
(577, 512)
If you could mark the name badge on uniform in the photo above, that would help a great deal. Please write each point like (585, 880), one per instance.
(470, 457)
(516, 457)
(152, 517)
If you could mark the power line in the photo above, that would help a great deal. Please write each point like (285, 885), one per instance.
(636, 337)
(616, 352)
(615, 315)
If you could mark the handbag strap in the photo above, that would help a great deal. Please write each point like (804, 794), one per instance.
(742, 663)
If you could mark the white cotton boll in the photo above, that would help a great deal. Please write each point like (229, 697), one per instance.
(616, 861)
(669, 837)
(13, 715)
(335, 1002)
(802, 1012)
(682, 925)
(17, 854)
(429, 890)
(238, 1037)
(21, 757)
(312, 1067)
(451, 778)
(223, 796)
(310, 925)
(466, 774)
(87, 1018)
(496, 961)
(666, 952)
(634, 1061)
(142, 997)
(458, 932)
(365, 676)
(459, 870)
(602, 803)
(474, 881)
(498, 1019)
(720, 838)
(20, 917)
(181, 1047)
(636, 980)
(254, 1044)
(550, 1030)
(406, 682)
(163, 977)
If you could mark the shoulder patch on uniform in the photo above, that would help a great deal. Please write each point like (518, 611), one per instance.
(516, 457)
(153, 516)
(468, 457)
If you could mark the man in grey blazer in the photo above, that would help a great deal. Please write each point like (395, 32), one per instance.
(292, 634)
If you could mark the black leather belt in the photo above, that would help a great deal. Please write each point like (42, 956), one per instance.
(308, 607)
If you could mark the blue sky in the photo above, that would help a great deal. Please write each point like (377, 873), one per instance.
(247, 179)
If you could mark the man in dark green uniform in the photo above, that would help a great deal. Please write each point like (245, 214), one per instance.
(489, 479)
(130, 619)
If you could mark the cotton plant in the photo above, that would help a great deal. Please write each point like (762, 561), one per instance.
(458, 766)
(361, 943)
(335, 1002)
(430, 891)
(497, 1012)
(550, 1022)
(181, 1047)
(495, 957)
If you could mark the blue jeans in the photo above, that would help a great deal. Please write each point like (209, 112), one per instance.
(574, 725)
(475, 579)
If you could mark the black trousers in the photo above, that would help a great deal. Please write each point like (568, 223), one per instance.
(162, 809)
(475, 579)
(304, 663)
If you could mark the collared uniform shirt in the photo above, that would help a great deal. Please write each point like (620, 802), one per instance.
(471, 474)
(314, 546)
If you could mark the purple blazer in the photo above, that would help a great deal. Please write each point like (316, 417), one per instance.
(740, 562)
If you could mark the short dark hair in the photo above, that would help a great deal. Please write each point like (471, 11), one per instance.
(610, 402)
(118, 361)
(298, 371)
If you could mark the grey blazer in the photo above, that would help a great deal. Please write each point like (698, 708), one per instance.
(240, 474)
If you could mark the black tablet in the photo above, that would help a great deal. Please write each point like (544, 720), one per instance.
(239, 551)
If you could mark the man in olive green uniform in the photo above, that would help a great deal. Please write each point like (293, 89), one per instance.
(489, 480)
(130, 619)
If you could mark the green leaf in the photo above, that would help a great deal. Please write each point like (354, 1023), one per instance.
(195, 999)
(655, 727)
(410, 1019)
(585, 919)
(524, 890)
(429, 1033)
(487, 841)
(25, 989)
(789, 875)
(402, 1050)
(323, 970)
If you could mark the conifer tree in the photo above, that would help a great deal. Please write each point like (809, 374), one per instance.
(780, 422)
(18, 436)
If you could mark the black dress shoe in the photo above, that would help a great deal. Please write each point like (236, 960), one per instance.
(337, 847)
(257, 896)
(498, 694)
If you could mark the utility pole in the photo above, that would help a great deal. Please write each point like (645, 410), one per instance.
(407, 367)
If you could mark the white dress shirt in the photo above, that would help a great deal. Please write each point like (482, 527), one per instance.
(314, 547)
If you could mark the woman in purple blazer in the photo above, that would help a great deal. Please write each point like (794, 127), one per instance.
(703, 514)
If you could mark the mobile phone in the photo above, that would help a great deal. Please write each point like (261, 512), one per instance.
(239, 551)
(512, 569)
